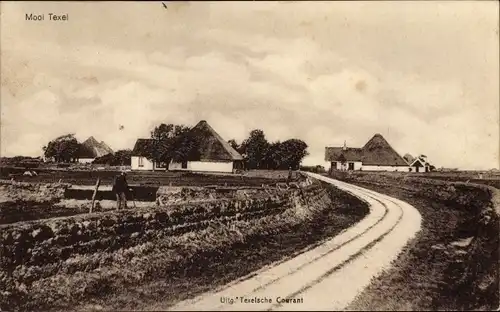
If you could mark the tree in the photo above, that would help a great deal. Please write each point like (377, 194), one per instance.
(293, 152)
(119, 158)
(260, 154)
(274, 157)
(186, 148)
(165, 138)
(62, 149)
(122, 157)
(409, 158)
(233, 144)
(255, 148)
(240, 148)
(107, 159)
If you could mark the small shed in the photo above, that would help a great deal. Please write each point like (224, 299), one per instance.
(420, 165)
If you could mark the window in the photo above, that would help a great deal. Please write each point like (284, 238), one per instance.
(334, 165)
(351, 166)
(141, 161)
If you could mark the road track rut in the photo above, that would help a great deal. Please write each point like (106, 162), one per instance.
(329, 276)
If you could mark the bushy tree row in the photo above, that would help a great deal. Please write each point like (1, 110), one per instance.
(176, 142)
(259, 153)
(63, 149)
(172, 142)
(119, 158)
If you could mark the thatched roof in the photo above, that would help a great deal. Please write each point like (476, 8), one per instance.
(91, 148)
(341, 154)
(212, 145)
(376, 152)
(141, 146)
(379, 152)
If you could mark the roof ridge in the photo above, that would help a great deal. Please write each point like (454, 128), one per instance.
(229, 149)
(387, 146)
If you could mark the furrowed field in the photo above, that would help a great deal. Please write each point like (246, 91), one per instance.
(453, 263)
(89, 177)
(190, 240)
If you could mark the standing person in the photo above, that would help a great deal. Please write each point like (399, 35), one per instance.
(290, 174)
(120, 188)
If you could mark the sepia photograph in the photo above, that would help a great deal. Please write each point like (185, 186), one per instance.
(249, 156)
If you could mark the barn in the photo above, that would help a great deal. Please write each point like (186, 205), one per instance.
(215, 154)
(376, 155)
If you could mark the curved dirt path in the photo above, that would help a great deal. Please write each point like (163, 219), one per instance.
(329, 276)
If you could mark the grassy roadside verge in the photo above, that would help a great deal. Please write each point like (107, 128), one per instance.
(452, 264)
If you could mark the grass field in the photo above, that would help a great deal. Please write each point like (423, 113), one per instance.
(481, 177)
(453, 262)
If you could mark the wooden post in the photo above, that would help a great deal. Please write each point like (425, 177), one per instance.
(95, 193)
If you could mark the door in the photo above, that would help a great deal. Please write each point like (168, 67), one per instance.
(351, 166)
(184, 165)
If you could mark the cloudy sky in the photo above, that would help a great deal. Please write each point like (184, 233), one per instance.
(423, 74)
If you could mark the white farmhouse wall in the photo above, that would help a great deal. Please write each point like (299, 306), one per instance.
(386, 168)
(85, 160)
(327, 165)
(420, 169)
(357, 165)
(207, 166)
(175, 166)
(146, 163)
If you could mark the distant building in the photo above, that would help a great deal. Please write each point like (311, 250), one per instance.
(90, 149)
(376, 155)
(216, 154)
(420, 164)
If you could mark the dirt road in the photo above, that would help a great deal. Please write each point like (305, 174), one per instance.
(329, 276)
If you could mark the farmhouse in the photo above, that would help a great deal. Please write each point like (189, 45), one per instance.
(90, 149)
(138, 160)
(376, 155)
(216, 155)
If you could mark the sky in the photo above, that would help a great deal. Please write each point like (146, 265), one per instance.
(425, 74)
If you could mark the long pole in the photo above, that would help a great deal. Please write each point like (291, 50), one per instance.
(95, 193)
